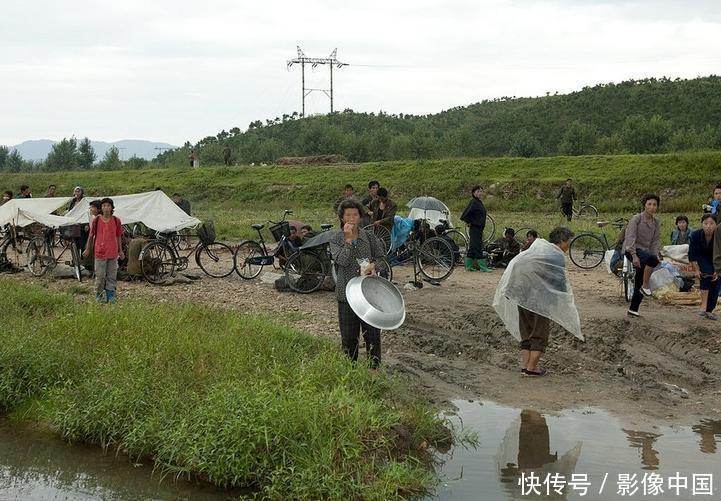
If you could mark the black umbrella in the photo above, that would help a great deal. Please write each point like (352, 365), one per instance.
(320, 239)
(427, 203)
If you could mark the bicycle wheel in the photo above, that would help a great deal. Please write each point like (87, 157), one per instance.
(242, 259)
(384, 269)
(459, 239)
(490, 229)
(587, 212)
(628, 276)
(216, 259)
(305, 272)
(435, 258)
(39, 260)
(383, 234)
(157, 262)
(75, 261)
(586, 250)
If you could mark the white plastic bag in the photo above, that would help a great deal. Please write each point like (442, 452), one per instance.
(537, 280)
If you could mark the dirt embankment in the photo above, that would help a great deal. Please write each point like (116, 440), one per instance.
(453, 345)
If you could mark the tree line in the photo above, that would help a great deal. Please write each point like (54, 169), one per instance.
(636, 116)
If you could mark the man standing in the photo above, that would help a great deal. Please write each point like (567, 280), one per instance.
(567, 195)
(383, 210)
(533, 291)
(226, 155)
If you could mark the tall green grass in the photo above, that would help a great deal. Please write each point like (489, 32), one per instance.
(233, 399)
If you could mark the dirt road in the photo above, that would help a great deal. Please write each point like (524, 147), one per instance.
(664, 365)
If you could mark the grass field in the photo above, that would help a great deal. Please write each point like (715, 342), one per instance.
(518, 191)
(237, 400)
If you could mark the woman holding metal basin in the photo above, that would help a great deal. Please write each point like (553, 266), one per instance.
(353, 247)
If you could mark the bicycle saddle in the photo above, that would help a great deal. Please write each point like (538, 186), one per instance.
(325, 227)
(257, 226)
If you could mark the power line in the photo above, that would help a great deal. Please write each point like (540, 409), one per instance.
(331, 61)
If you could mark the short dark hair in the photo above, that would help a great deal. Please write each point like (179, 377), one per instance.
(348, 186)
(650, 196)
(560, 234)
(706, 216)
(107, 200)
(509, 231)
(349, 203)
(681, 218)
(24, 187)
(96, 204)
(532, 233)
(52, 186)
(569, 179)
(306, 227)
(382, 192)
(176, 195)
(373, 183)
(8, 192)
(717, 187)
(476, 187)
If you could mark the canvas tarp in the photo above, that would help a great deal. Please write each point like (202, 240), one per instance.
(154, 209)
(25, 211)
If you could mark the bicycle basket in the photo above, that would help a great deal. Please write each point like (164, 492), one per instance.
(280, 230)
(206, 232)
(70, 231)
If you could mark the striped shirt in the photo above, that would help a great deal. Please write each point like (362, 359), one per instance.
(345, 256)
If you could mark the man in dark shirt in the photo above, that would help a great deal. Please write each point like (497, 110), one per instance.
(383, 210)
(567, 195)
(181, 202)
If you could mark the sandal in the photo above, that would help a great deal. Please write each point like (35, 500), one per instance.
(536, 373)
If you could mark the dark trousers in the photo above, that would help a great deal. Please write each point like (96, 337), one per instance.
(350, 328)
(567, 210)
(713, 288)
(646, 260)
(475, 242)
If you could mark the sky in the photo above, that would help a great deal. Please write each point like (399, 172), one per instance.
(177, 71)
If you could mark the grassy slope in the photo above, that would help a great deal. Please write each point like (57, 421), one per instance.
(236, 400)
(237, 196)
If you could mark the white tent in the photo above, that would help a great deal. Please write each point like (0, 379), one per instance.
(154, 209)
(434, 217)
(25, 211)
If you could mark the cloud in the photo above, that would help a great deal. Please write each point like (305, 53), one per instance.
(176, 71)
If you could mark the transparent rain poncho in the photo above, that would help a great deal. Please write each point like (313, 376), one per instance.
(536, 279)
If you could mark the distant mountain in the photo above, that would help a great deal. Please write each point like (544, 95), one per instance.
(38, 149)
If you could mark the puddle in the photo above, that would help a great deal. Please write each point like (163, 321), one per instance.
(575, 447)
(39, 466)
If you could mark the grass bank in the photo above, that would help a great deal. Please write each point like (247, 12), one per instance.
(233, 399)
(238, 196)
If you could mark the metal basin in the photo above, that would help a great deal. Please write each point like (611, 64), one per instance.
(376, 301)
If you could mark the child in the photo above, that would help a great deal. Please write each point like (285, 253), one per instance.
(682, 233)
(105, 232)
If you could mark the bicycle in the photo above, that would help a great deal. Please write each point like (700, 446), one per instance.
(251, 255)
(161, 257)
(10, 237)
(432, 257)
(307, 269)
(460, 236)
(587, 249)
(41, 252)
(585, 210)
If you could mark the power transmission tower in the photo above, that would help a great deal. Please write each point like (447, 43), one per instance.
(331, 61)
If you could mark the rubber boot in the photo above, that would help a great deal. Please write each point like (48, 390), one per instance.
(481, 263)
(110, 295)
(469, 264)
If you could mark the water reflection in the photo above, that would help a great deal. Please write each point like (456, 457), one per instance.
(644, 441)
(709, 431)
(526, 448)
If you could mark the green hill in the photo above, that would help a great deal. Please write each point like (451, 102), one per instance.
(637, 116)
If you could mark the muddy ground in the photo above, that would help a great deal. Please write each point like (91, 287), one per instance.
(665, 365)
